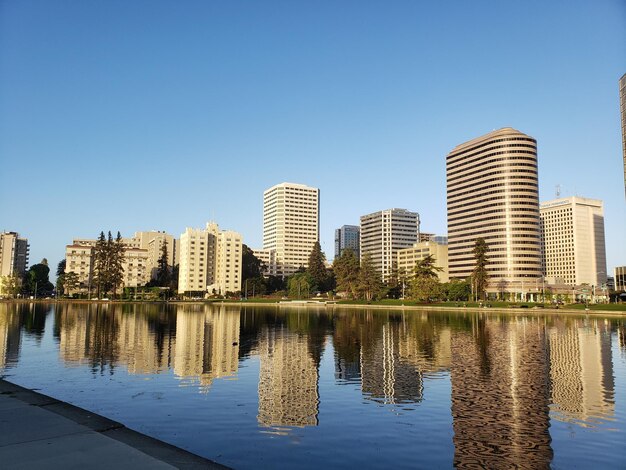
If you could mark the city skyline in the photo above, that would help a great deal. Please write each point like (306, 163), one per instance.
(361, 102)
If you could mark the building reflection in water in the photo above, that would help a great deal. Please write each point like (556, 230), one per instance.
(509, 374)
(581, 371)
(288, 380)
(500, 394)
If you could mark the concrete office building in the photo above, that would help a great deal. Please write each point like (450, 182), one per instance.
(347, 237)
(619, 276)
(383, 233)
(492, 193)
(409, 257)
(14, 252)
(210, 260)
(573, 241)
(622, 99)
(290, 225)
(268, 260)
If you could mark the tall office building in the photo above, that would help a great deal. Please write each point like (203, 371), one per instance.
(347, 237)
(383, 233)
(619, 273)
(573, 241)
(210, 260)
(493, 194)
(13, 254)
(622, 99)
(290, 225)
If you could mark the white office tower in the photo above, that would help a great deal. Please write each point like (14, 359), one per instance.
(290, 225)
(383, 233)
(573, 241)
(210, 261)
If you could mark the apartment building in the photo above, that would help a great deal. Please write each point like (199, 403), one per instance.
(619, 275)
(408, 258)
(210, 261)
(492, 193)
(622, 99)
(152, 241)
(385, 232)
(14, 251)
(347, 237)
(573, 246)
(268, 260)
(290, 225)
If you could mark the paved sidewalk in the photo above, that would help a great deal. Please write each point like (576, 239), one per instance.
(37, 431)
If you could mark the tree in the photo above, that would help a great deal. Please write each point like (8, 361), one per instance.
(116, 261)
(11, 285)
(425, 284)
(299, 285)
(250, 264)
(100, 261)
(369, 282)
(317, 268)
(71, 281)
(456, 290)
(61, 267)
(480, 278)
(163, 274)
(108, 268)
(346, 269)
(37, 280)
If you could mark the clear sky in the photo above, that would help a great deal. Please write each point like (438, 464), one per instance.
(160, 115)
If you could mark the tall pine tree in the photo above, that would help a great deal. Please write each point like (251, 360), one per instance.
(317, 268)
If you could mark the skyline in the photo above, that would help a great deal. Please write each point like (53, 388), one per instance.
(363, 102)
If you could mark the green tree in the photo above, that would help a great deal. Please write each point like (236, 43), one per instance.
(369, 282)
(346, 268)
(10, 286)
(480, 278)
(299, 285)
(37, 280)
(100, 265)
(71, 281)
(108, 270)
(317, 268)
(61, 267)
(117, 251)
(425, 286)
(251, 266)
(456, 290)
(163, 274)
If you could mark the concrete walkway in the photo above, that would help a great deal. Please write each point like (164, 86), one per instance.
(37, 431)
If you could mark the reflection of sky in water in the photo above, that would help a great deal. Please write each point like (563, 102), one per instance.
(258, 387)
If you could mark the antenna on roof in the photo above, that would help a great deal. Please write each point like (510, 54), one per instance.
(558, 191)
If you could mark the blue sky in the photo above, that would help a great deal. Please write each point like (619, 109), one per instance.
(159, 115)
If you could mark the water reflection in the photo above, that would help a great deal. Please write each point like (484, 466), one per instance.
(509, 375)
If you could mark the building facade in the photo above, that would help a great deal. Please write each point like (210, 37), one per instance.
(492, 193)
(408, 258)
(14, 251)
(347, 237)
(268, 260)
(573, 246)
(290, 225)
(210, 260)
(619, 276)
(153, 241)
(383, 233)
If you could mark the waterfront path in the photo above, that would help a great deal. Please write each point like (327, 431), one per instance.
(37, 431)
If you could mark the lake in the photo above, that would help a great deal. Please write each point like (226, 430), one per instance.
(294, 387)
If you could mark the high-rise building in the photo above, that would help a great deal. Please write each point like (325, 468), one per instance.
(210, 260)
(13, 254)
(622, 99)
(573, 241)
(383, 233)
(409, 257)
(347, 237)
(620, 278)
(290, 225)
(493, 194)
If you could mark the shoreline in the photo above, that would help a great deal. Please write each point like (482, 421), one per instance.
(332, 305)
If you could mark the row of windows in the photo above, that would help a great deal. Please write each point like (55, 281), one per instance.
(476, 174)
(485, 163)
(490, 143)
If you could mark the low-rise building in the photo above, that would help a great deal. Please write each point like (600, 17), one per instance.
(407, 258)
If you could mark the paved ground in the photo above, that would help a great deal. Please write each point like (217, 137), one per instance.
(37, 431)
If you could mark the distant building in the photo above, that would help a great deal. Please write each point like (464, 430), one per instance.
(408, 258)
(79, 260)
(210, 260)
(383, 233)
(268, 260)
(573, 249)
(424, 237)
(622, 98)
(290, 225)
(152, 242)
(492, 192)
(619, 274)
(14, 252)
(347, 237)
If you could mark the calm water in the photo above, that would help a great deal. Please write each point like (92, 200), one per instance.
(274, 387)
